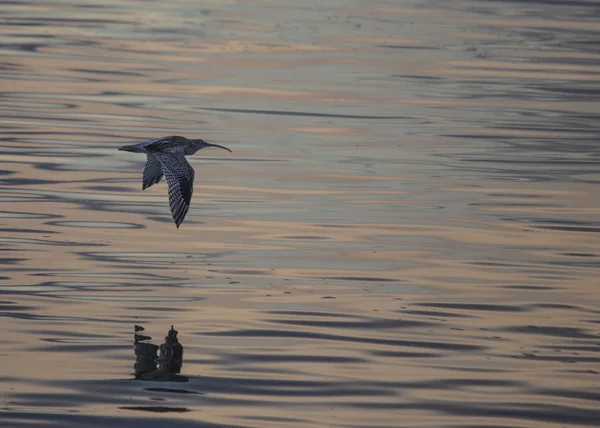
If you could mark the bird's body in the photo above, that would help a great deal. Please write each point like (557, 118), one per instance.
(166, 157)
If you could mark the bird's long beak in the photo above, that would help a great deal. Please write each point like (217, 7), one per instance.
(216, 145)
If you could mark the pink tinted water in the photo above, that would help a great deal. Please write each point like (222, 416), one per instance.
(406, 233)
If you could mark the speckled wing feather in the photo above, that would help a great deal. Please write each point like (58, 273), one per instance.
(180, 177)
(152, 171)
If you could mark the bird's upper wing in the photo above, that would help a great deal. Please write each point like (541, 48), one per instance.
(143, 147)
(152, 171)
(180, 177)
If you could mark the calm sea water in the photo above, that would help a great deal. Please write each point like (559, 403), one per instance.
(406, 233)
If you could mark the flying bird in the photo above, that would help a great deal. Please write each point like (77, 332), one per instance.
(166, 156)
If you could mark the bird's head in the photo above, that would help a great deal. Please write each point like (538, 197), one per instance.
(200, 144)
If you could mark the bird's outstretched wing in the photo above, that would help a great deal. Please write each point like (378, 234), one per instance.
(180, 177)
(152, 171)
(143, 147)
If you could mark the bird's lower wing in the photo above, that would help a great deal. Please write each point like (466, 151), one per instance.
(152, 171)
(180, 178)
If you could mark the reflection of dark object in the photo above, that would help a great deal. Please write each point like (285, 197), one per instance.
(171, 353)
(166, 156)
(145, 354)
(164, 368)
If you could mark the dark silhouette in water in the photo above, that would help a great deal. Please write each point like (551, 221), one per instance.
(163, 368)
(166, 156)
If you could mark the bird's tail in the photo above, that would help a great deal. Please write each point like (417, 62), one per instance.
(135, 148)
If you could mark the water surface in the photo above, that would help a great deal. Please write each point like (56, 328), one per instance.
(406, 233)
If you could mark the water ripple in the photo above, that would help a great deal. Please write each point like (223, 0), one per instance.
(406, 235)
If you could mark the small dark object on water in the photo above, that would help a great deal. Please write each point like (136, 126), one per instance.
(166, 156)
(171, 353)
(166, 366)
